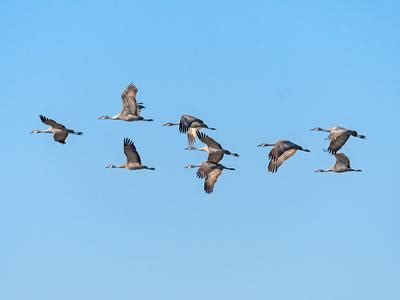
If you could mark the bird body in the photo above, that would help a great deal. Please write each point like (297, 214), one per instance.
(130, 108)
(133, 161)
(209, 172)
(342, 165)
(59, 131)
(338, 136)
(281, 151)
(214, 149)
(190, 125)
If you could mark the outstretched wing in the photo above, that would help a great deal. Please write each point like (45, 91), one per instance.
(210, 142)
(51, 123)
(60, 136)
(342, 160)
(211, 179)
(275, 164)
(187, 121)
(280, 148)
(130, 151)
(191, 134)
(204, 170)
(337, 143)
(129, 104)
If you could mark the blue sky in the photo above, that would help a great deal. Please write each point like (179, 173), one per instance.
(259, 71)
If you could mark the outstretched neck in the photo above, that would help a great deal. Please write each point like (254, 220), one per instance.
(171, 124)
(111, 166)
(324, 171)
(42, 131)
(198, 149)
(108, 118)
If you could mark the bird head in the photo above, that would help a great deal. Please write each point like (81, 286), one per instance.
(190, 166)
(265, 145)
(316, 129)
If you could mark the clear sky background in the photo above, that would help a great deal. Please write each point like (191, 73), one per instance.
(259, 71)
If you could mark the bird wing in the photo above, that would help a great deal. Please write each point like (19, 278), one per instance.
(280, 148)
(275, 164)
(337, 143)
(204, 170)
(52, 123)
(335, 132)
(210, 142)
(215, 157)
(211, 179)
(342, 159)
(60, 136)
(130, 151)
(186, 121)
(191, 134)
(129, 104)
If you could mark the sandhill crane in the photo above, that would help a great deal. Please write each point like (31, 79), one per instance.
(280, 152)
(58, 130)
(338, 137)
(130, 108)
(133, 161)
(210, 171)
(342, 165)
(190, 125)
(214, 149)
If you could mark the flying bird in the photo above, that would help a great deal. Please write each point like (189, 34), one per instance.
(342, 165)
(214, 149)
(189, 125)
(130, 108)
(338, 136)
(210, 172)
(280, 152)
(58, 130)
(133, 161)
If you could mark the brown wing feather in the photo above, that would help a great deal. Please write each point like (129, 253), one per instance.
(210, 142)
(51, 122)
(211, 179)
(337, 143)
(280, 148)
(215, 157)
(275, 164)
(60, 136)
(129, 104)
(342, 159)
(204, 170)
(191, 134)
(130, 151)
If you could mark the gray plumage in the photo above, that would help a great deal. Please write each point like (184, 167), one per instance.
(281, 151)
(190, 125)
(342, 165)
(59, 131)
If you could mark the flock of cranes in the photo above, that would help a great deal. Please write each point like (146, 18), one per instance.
(210, 169)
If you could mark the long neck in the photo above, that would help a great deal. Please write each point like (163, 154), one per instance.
(324, 171)
(198, 149)
(193, 166)
(355, 170)
(116, 167)
(109, 118)
(43, 131)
